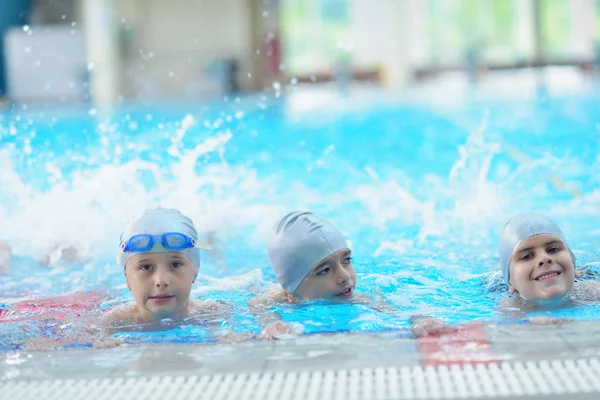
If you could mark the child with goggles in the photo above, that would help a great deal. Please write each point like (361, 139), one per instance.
(159, 253)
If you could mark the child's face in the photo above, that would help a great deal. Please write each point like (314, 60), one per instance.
(332, 278)
(160, 283)
(541, 268)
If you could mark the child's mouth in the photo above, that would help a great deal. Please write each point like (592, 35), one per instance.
(548, 275)
(161, 298)
(346, 292)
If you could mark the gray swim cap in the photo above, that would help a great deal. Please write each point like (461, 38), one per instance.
(521, 227)
(157, 221)
(298, 242)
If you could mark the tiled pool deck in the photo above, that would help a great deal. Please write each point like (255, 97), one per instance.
(472, 344)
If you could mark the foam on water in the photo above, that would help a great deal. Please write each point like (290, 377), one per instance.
(420, 191)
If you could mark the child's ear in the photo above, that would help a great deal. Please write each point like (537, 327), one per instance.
(127, 280)
(511, 289)
(577, 273)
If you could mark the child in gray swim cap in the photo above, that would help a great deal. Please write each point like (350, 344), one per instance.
(535, 258)
(539, 267)
(311, 260)
(159, 254)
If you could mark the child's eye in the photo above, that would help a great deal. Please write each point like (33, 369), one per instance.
(324, 271)
(176, 265)
(554, 249)
(146, 267)
(525, 257)
(348, 260)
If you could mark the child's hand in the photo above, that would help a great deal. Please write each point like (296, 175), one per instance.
(41, 344)
(431, 327)
(277, 330)
(548, 320)
(234, 337)
(108, 343)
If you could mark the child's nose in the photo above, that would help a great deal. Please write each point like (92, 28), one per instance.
(546, 259)
(343, 275)
(161, 278)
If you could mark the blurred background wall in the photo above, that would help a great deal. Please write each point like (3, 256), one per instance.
(112, 51)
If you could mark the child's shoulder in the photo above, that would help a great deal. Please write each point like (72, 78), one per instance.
(588, 291)
(276, 296)
(207, 306)
(123, 313)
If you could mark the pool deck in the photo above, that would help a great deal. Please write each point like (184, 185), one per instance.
(473, 343)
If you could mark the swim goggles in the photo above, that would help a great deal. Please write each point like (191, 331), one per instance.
(173, 241)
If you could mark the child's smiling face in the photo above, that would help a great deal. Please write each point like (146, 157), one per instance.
(541, 267)
(332, 278)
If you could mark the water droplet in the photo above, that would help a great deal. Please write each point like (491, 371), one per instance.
(276, 86)
(265, 13)
(294, 81)
(27, 49)
(249, 75)
(90, 66)
(93, 111)
(25, 28)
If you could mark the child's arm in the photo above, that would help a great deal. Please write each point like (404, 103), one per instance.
(587, 291)
(516, 308)
(258, 305)
(82, 332)
(425, 325)
(274, 328)
(379, 304)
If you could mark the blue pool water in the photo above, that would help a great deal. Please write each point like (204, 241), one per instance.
(421, 189)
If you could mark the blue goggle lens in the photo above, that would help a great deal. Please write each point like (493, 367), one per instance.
(175, 241)
(170, 241)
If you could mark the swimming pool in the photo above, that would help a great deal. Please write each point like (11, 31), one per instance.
(420, 188)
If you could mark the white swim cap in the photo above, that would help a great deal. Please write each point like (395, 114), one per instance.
(157, 221)
(520, 227)
(298, 242)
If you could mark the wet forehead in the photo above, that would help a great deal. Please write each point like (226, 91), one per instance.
(157, 257)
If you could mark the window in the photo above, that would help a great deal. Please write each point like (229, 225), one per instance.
(314, 34)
